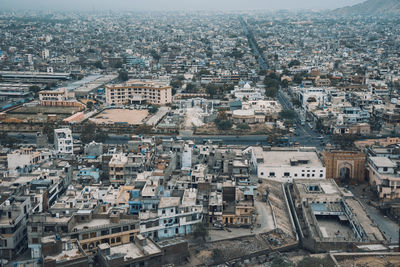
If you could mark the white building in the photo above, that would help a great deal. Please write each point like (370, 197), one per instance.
(24, 158)
(285, 165)
(248, 92)
(63, 141)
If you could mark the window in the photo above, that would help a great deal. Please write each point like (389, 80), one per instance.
(385, 169)
(165, 231)
(34, 229)
(272, 174)
(125, 228)
(118, 239)
(321, 175)
(163, 211)
(85, 236)
(93, 234)
(295, 175)
(172, 210)
(286, 174)
(262, 173)
(35, 240)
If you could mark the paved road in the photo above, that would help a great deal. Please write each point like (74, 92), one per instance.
(389, 228)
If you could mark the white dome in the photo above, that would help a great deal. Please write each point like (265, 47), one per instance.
(247, 86)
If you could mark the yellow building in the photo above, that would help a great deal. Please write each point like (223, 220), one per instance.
(136, 91)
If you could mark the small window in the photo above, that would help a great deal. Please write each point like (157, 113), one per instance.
(272, 174)
(385, 169)
(262, 173)
(286, 174)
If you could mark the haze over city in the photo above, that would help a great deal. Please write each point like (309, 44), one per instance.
(153, 133)
(163, 5)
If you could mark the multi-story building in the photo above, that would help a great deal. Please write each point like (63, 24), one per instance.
(136, 91)
(116, 169)
(285, 165)
(175, 216)
(13, 216)
(384, 176)
(24, 159)
(63, 141)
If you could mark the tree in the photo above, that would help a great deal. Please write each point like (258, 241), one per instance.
(224, 125)
(284, 83)
(243, 126)
(296, 102)
(293, 63)
(98, 64)
(200, 231)
(123, 75)
(153, 109)
(89, 105)
(88, 133)
(271, 92)
(34, 89)
(91, 132)
(48, 130)
(287, 114)
(155, 55)
(176, 84)
(191, 87)
(298, 78)
(143, 129)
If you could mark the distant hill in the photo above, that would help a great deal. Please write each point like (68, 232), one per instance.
(371, 7)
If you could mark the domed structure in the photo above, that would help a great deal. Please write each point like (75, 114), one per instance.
(247, 86)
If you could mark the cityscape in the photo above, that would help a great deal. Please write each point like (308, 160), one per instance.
(202, 137)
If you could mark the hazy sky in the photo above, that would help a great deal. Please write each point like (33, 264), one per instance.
(174, 4)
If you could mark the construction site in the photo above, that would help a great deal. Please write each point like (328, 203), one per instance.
(329, 218)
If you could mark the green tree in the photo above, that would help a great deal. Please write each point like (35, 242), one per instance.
(155, 55)
(191, 88)
(98, 64)
(293, 63)
(287, 114)
(296, 102)
(153, 109)
(123, 75)
(88, 133)
(143, 129)
(89, 105)
(48, 130)
(200, 231)
(271, 92)
(243, 126)
(176, 84)
(34, 89)
(298, 78)
(224, 125)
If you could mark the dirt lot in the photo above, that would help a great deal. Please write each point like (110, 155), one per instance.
(110, 116)
(39, 113)
(371, 261)
(211, 129)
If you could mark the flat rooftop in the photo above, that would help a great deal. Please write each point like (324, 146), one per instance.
(166, 202)
(131, 252)
(286, 158)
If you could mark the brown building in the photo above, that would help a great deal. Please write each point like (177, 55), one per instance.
(346, 166)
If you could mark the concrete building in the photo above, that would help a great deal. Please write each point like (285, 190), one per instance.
(384, 177)
(136, 91)
(286, 165)
(23, 159)
(13, 218)
(116, 169)
(63, 141)
(330, 217)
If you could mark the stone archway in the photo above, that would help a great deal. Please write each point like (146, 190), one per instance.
(345, 172)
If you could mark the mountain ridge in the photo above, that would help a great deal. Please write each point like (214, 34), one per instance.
(371, 7)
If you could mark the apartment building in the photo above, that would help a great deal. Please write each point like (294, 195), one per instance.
(384, 177)
(63, 141)
(13, 216)
(24, 159)
(136, 91)
(175, 216)
(116, 169)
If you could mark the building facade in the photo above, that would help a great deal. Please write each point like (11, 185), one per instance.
(136, 91)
